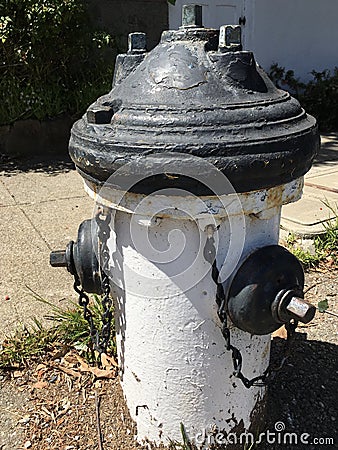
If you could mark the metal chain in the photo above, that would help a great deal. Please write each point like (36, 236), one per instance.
(103, 219)
(237, 359)
(100, 339)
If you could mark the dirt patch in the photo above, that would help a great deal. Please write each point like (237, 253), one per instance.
(12, 408)
(49, 409)
(303, 395)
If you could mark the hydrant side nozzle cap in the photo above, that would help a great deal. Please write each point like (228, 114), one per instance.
(262, 288)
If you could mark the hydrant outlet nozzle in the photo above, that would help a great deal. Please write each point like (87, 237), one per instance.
(290, 306)
(80, 257)
(58, 258)
(63, 258)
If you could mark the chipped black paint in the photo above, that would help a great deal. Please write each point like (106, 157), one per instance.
(187, 97)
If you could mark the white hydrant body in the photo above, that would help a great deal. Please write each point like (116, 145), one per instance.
(174, 367)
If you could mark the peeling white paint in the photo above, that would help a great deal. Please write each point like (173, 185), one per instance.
(173, 363)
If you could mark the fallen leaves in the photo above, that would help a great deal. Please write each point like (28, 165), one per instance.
(109, 367)
(281, 333)
(74, 366)
(40, 385)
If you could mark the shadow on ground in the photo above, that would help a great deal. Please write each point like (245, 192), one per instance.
(303, 395)
(48, 163)
(328, 154)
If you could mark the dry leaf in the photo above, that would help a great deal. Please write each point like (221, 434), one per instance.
(99, 373)
(108, 361)
(24, 420)
(40, 385)
(72, 372)
(102, 373)
(281, 333)
(17, 373)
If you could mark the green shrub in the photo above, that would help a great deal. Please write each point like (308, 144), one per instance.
(319, 97)
(52, 59)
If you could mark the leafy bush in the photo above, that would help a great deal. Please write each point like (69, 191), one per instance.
(52, 59)
(319, 97)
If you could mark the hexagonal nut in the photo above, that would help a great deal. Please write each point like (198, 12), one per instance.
(100, 114)
(58, 258)
(230, 37)
(192, 16)
(137, 42)
(301, 310)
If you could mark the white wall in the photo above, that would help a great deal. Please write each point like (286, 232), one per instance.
(215, 12)
(298, 34)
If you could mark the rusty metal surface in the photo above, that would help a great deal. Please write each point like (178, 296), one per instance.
(258, 204)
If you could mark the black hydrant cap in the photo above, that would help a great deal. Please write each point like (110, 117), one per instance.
(196, 94)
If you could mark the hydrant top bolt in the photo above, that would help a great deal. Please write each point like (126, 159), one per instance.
(100, 115)
(230, 38)
(137, 43)
(192, 16)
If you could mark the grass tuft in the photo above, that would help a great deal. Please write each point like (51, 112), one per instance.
(325, 245)
(69, 329)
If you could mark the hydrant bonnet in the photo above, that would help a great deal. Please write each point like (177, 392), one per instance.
(196, 94)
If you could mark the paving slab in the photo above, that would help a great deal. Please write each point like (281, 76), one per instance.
(328, 182)
(310, 215)
(58, 221)
(33, 222)
(5, 197)
(37, 187)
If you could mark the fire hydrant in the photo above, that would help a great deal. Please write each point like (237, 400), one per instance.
(190, 158)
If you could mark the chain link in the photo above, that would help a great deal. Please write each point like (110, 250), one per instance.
(237, 359)
(103, 219)
(100, 339)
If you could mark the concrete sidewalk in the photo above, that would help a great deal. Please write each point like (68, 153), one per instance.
(42, 209)
(308, 216)
(39, 212)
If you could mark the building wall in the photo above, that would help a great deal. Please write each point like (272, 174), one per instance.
(298, 34)
(121, 17)
(215, 12)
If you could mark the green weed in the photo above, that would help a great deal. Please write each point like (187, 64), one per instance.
(69, 329)
(308, 260)
(319, 96)
(325, 244)
(54, 60)
(27, 344)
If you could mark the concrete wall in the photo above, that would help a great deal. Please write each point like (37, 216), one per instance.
(121, 17)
